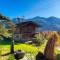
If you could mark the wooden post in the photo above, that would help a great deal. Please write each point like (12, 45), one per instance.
(12, 44)
(49, 50)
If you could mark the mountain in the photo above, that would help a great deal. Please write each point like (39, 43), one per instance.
(48, 24)
(14, 20)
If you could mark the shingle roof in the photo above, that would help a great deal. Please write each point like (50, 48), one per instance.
(27, 23)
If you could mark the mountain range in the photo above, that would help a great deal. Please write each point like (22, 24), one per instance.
(47, 24)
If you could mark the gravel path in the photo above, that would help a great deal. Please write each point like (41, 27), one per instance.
(28, 57)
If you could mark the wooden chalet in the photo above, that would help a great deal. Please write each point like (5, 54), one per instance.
(26, 30)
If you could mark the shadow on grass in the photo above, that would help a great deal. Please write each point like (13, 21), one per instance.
(6, 41)
(58, 57)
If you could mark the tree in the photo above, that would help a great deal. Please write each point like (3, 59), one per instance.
(4, 31)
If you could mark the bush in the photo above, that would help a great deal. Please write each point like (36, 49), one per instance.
(39, 38)
(11, 57)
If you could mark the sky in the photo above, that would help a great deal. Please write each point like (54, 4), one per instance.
(30, 8)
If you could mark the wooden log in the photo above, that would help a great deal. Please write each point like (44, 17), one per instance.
(49, 50)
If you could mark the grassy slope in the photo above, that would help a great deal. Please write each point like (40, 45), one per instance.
(25, 47)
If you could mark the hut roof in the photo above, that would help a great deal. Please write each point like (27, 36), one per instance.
(27, 23)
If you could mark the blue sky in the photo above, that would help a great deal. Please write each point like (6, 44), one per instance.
(30, 8)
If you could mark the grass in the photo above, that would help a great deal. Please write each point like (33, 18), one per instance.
(25, 47)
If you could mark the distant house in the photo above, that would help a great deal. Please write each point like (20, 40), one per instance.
(26, 30)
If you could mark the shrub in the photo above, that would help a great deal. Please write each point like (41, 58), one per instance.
(39, 38)
(11, 57)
